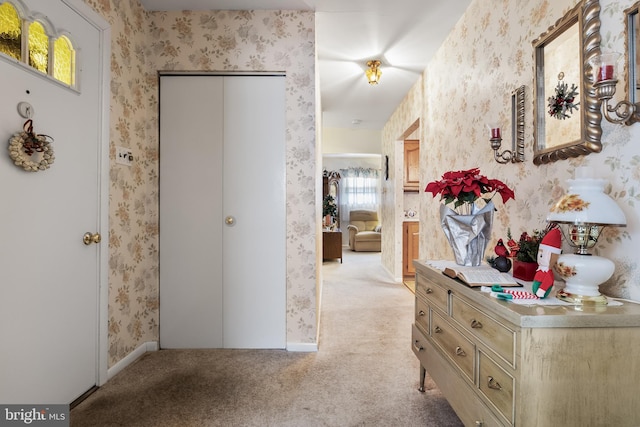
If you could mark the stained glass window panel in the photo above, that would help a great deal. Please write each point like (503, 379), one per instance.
(38, 47)
(64, 61)
(10, 31)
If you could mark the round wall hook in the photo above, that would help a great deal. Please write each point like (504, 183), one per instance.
(25, 110)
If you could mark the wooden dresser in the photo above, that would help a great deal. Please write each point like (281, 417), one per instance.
(332, 244)
(502, 364)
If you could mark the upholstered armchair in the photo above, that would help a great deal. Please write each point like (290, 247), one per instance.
(364, 231)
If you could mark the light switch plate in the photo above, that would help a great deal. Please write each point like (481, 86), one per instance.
(124, 156)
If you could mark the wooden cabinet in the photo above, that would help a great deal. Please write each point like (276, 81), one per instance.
(410, 244)
(503, 364)
(332, 245)
(411, 165)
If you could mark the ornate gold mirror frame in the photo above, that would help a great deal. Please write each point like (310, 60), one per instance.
(579, 132)
(632, 30)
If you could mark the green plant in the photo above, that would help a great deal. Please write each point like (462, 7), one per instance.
(329, 206)
(561, 105)
(526, 248)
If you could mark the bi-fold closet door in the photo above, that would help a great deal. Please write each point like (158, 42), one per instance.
(222, 212)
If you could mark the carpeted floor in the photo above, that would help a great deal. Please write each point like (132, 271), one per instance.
(364, 373)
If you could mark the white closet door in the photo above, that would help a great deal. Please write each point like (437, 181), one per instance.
(254, 194)
(222, 285)
(191, 121)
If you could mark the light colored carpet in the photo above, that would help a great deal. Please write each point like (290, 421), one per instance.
(364, 373)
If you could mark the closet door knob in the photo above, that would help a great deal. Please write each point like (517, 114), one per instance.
(230, 220)
(89, 238)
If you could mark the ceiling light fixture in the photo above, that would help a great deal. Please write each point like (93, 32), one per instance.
(373, 72)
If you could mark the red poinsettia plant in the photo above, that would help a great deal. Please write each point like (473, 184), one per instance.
(463, 188)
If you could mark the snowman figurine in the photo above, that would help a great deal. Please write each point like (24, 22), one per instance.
(548, 252)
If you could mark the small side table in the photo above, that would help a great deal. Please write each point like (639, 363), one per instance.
(332, 244)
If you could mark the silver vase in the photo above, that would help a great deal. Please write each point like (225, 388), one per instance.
(468, 235)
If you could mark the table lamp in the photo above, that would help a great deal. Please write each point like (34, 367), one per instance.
(585, 210)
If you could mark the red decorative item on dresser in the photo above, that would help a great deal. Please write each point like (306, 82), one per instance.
(524, 270)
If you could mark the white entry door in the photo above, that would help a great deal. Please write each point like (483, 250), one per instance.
(49, 279)
(222, 212)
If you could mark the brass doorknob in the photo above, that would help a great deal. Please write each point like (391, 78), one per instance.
(90, 238)
(229, 220)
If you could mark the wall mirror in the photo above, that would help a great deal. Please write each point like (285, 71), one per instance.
(334, 181)
(330, 186)
(567, 113)
(631, 47)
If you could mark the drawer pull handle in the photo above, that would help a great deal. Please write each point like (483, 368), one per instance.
(475, 324)
(417, 345)
(421, 313)
(493, 384)
(429, 290)
(460, 352)
(437, 330)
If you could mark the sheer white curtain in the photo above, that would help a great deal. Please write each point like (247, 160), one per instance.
(359, 189)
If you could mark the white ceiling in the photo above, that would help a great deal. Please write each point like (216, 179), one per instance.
(402, 34)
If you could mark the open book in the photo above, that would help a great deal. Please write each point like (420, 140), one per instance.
(480, 276)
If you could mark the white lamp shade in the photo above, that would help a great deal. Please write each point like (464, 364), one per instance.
(588, 209)
(586, 203)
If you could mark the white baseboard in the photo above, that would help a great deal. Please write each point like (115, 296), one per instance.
(391, 275)
(132, 357)
(153, 346)
(303, 347)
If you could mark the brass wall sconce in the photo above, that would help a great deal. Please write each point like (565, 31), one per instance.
(373, 72)
(516, 154)
(604, 68)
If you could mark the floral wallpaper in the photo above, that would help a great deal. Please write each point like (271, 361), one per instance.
(142, 44)
(404, 123)
(264, 41)
(467, 84)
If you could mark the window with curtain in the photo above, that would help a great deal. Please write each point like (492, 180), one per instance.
(359, 189)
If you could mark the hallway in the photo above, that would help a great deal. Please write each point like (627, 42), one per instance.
(363, 374)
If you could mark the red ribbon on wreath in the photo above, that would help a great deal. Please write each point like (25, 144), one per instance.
(33, 143)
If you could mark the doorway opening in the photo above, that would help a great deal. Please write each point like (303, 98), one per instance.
(410, 201)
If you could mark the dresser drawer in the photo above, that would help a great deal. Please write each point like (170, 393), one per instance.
(422, 315)
(497, 385)
(418, 344)
(455, 346)
(436, 295)
(462, 395)
(496, 335)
